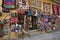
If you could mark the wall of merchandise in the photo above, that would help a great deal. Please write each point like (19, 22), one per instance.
(7, 8)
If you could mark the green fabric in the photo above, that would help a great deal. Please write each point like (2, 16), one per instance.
(9, 6)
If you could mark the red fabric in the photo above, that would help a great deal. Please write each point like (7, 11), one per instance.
(55, 9)
(1, 26)
(14, 19)
(42, 20)
(21, 12)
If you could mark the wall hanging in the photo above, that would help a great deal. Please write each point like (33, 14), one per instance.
(38, 3)
(46, 7)
(55, 11)
(23, 5)
(35, 3)
(10, 4)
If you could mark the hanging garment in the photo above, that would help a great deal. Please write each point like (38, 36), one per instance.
(55, 11)
(21, 11)
(29, 13)
(23, 5)
(13, 19)
(42, 20)
(46, 19)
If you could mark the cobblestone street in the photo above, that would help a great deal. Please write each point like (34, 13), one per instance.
(45, 36)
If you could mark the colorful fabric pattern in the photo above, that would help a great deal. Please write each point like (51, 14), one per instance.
(23, 5)
(9, 3)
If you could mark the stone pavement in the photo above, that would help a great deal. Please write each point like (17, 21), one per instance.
(44, 36)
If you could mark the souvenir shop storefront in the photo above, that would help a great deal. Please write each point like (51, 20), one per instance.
(33, 14)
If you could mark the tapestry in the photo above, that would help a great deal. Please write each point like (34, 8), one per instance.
(46, 7)
(55, 9)
(23, 5)
(10, 4)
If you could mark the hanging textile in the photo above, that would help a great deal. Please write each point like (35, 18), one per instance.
(10, 4)
(55, 9)
(46, 7)
(13, 19)
(29, 13)
(23, 5)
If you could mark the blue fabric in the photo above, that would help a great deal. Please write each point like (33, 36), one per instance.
(45, 17)
(29, 13)
(10, 0)
(43, 28)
